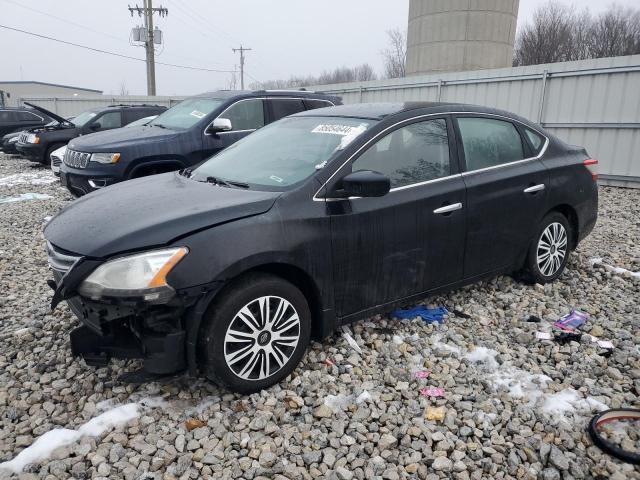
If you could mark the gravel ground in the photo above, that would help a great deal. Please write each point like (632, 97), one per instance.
(513, 406)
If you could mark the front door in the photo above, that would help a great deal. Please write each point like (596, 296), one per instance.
(506, 193)
(410, 240)
(246, 117)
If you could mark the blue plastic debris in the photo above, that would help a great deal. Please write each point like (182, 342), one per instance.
(429, 315)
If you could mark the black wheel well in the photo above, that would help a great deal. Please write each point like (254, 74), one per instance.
(299, 278)
(154, 168)
(570, 214)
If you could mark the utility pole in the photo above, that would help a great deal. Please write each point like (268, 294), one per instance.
(147, 12)
(241, 50)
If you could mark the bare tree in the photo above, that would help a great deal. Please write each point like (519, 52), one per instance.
(548, 38)
(124, 91)
(558, 34)
(616, 32)
(362, 73)
(395, 55)
(232, 83)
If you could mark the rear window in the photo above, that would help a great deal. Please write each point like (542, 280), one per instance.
(536, 140)
(488, 142)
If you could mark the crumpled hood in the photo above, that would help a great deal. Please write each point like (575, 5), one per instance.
(121, 138)
(149, 212)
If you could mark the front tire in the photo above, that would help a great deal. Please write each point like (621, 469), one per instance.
(255, 334)
(549, 251)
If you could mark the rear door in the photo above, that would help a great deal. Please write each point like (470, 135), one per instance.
(506, 192)
(283, 107)
(410, 240)
(246, 116)
(9, 121)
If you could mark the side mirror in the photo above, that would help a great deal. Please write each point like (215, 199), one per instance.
(366, 183)
(95, 127)
(220, 125)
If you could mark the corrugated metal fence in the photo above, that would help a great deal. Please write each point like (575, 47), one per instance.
(593, 103)
(68, 106)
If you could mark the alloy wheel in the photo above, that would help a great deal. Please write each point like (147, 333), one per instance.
(261, 338)
(552, 248)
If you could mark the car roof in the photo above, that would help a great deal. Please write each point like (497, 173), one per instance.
(227, 94)
(379, 111)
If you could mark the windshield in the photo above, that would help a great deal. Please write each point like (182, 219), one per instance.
(283, 153)
(83, 118)
(187, 113)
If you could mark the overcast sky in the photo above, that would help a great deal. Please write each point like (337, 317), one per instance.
(288, 37)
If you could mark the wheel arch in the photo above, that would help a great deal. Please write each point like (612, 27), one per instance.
(143, 165)
(322, 321)
(572, 217)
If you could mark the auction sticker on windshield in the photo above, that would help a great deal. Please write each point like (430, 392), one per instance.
(198, 114)
(334, 129)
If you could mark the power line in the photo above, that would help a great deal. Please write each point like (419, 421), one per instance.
(84, 27)
(106, 52)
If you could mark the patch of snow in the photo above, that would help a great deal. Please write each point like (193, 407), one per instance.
(35, 178)
(59, 437)
(438, 345)
(618, 270)
(483, 355)
(24, 197)
(337, 402)
(520, 383)
(569, 401)
(363, 397)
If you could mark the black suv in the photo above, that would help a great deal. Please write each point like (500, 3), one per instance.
(315, 221)
(36, 144)
(17, 119)
(183, 136)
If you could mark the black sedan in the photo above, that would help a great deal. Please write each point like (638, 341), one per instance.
(317, 220)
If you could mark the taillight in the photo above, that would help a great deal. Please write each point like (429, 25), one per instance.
(591, 163)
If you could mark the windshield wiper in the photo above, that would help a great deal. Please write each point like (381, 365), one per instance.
(237, 184)
(226, 183)
(186, 172)
(159, 125)
(216, 181)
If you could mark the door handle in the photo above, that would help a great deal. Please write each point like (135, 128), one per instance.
(534, 188)
(448, 208)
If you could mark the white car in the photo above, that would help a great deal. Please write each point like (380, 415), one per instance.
(56, 159)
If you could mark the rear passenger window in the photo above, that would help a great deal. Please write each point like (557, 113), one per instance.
(28, 117)
(488, 142)
(246, 115)
(536, 140)
(412, 154)
(284, 108)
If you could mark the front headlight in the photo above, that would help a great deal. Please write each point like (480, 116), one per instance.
(142, 275)
(33, 138)
(105, 157)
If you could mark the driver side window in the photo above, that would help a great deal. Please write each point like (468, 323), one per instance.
(246, 115)
(412, 154)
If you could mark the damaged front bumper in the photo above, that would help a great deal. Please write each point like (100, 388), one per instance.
(164, 336)
(153, 334)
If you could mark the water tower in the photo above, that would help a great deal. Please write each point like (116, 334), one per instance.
(458, 35)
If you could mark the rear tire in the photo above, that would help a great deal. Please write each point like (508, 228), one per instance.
(549, 251)
(255, 334)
